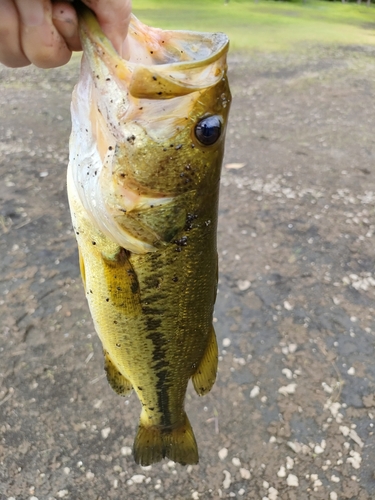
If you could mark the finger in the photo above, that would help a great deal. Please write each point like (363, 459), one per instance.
(11, 53)
(64, 18)
(114, 18)
(40, 40)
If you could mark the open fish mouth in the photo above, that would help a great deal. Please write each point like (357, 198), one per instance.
(162, 64)
(122, 106)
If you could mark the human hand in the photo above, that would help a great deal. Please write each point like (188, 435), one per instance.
(45, 32)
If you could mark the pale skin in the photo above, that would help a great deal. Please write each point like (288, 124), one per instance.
(45, 32)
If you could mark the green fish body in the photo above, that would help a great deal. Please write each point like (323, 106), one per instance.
(143, 183)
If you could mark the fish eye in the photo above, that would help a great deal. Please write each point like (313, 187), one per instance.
(208, 130)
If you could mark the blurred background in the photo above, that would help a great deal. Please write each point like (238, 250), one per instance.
(292, 413)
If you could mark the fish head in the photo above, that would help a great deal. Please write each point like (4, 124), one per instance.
(149, 128)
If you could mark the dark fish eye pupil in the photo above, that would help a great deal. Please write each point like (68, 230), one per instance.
(208, 130)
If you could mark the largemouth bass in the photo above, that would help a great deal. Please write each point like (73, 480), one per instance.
(143, 183)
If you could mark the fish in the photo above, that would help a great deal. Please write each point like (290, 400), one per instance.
(146, 150)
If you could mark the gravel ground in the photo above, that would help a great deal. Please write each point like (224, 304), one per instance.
(292, 414)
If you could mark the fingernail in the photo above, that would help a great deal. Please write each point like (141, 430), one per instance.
(31, 12)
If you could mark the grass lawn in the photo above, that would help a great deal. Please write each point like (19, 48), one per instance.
(265, 25)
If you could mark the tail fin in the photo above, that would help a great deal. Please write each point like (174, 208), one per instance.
(154, 443)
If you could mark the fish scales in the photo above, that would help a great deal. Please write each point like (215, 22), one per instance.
(143, 186)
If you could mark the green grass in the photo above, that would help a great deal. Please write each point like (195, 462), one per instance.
(266, 25)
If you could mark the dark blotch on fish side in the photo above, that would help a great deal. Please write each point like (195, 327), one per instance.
(131, 139)
(152, 282)
(163, 384)
(134, 287)
(153, 323)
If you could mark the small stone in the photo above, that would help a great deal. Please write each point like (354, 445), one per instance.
(227, 481)
(335, 479)
(62, 493)
(288, 306)
(288, 389)
(126, 451)
(288, 373)
(345, 430)
(90, 475)
(292, 348)
(105, 432)
(245, 473)
(292, 480)
(355, 459)
(236, 461)
(243, 285)
(289, 463)
(226, 342)
(266, 485)
(281, 472)
(272, 493)
(234, 166)
(138, 478)
(333, 495)
(318, 449)
(241, 492)
(223, 453)
(195, 495)
(353, 435)
(254, 391)
(351, 371)
(66, 470)
(296, 447)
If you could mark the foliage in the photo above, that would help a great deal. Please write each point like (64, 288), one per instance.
(266, 25)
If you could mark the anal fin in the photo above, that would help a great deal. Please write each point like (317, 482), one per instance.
(205, 375)
(120, 384)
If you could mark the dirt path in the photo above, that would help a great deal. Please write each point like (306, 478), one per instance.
(292, 414)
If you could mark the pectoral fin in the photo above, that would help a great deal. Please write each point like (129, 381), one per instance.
(205, 376)
(82, 268)
(122, 282)
(116, 380)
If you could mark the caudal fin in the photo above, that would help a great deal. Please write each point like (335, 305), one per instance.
(154, 443)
